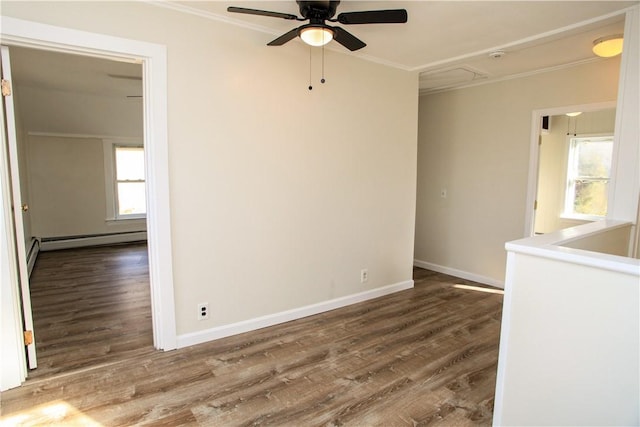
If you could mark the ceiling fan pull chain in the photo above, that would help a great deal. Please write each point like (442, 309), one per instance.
(310, 87)
(322, 80)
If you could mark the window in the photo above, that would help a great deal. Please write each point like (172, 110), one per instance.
(588, 174)
(124, 180)
(130, 194)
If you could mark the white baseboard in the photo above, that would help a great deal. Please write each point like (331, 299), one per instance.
(79, 242)
(199, 337)
(459, 273)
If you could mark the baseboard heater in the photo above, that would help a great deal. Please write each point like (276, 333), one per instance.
(69, 242)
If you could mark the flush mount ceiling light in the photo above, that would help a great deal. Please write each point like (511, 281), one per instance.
(316, 35)
(576, 113)
(608, 46)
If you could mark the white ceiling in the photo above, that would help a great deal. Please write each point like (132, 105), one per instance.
(448, 42)
(75, 73)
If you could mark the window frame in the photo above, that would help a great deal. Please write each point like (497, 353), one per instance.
(571, 176)
(111, 181)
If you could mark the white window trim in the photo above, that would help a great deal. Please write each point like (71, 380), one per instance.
(109, 146)
(566, 211)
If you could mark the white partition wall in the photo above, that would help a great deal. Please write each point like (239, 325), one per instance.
(570, 339)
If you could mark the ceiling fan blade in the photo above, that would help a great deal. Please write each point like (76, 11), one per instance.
(347, 39)
(261, 13)
(284, 38)
(393, 16)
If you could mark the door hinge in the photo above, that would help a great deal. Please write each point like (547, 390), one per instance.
(28, 337)
(539, 139)
(6, 87)
(535, 205)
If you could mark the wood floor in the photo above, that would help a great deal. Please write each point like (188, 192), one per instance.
(425, 356)
(90, 306)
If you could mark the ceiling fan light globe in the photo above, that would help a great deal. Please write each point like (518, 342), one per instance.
(316, 36)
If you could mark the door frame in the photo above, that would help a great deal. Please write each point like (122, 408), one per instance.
(153, 57)
(534, 153)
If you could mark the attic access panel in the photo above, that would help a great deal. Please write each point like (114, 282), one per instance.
(441, 79)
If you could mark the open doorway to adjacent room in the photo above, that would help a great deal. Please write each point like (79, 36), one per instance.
(574, 152)
(81, 161)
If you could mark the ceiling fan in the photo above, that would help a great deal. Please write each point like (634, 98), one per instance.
(317, 32)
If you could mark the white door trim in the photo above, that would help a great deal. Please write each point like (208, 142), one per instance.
(13, 369)
(153, 57)
(18, 214)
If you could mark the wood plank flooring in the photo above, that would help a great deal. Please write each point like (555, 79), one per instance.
(90, 306)
(425, 356)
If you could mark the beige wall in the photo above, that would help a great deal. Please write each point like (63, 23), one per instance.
(62, 175)
(55, 111)
(279, 195)
(552, 170)
(67, 188)
(613, 242)
(23, 168)
(475, 143)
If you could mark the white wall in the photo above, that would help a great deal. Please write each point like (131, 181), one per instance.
(475, 142)
(578, 361)
(624, 196)
(279, 195)
(552, 170)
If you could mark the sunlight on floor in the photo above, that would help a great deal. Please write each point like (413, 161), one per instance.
(57, 413)
(479, 289)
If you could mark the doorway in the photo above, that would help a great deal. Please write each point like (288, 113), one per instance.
(83, 191)
(17, 32)
(553, 131)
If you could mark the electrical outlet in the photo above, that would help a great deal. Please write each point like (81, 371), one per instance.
(203, 311)
(364, 275)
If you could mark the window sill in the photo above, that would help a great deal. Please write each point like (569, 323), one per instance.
(577, 217)
(126, 221)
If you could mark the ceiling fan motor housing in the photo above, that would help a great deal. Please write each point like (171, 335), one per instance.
(317, 30)
(319, 10)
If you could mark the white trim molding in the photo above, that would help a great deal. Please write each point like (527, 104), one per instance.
(459, 273)
(153, 57)
(199, 337)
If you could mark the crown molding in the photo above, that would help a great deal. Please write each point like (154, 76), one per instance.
(167, 4)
